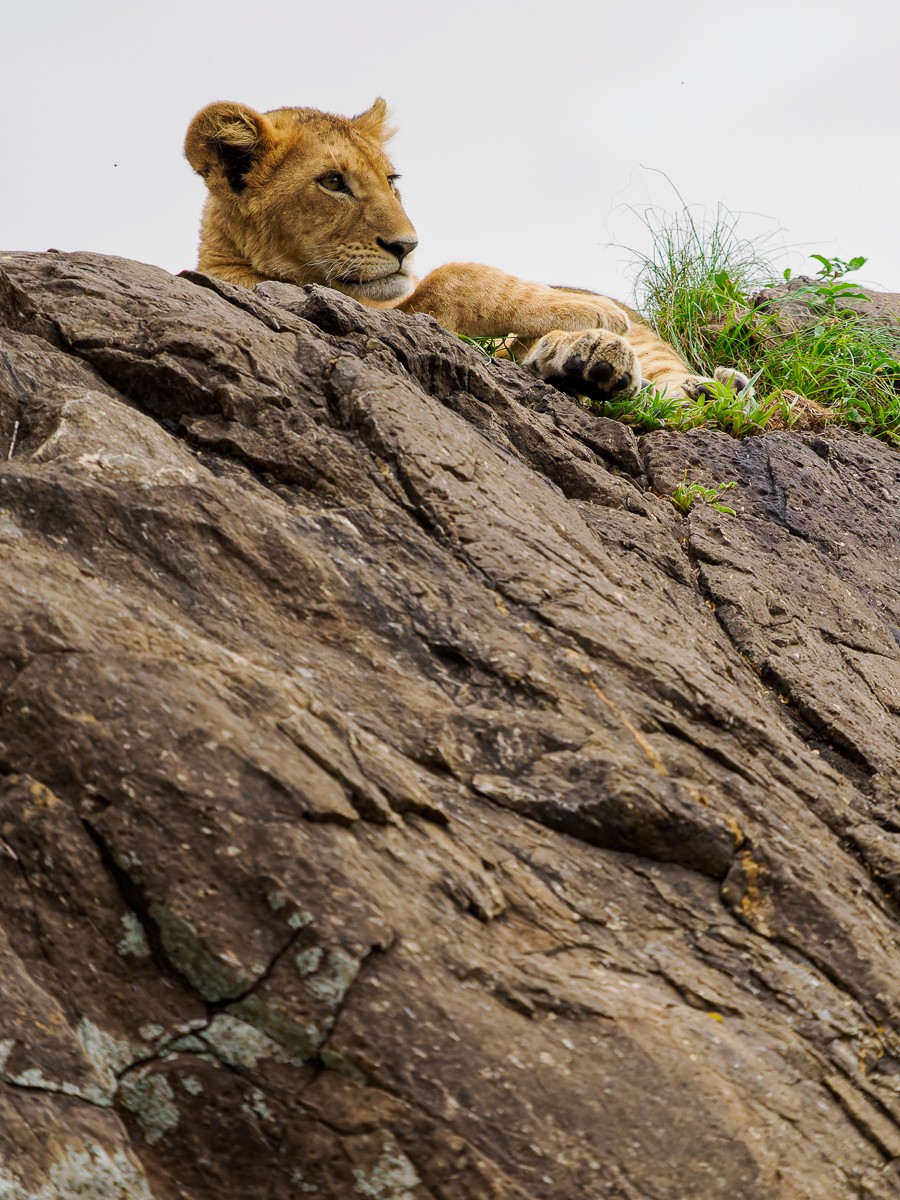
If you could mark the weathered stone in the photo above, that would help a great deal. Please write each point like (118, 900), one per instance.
(398, 798)
(795, 303)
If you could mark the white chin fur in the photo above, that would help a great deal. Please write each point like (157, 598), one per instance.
(389, 287)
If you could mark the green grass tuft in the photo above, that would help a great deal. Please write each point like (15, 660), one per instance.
(696, 288)
(733, 412)
(696, 276)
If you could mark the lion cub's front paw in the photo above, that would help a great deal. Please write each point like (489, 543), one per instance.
(593, 363)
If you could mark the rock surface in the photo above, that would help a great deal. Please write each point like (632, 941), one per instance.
(400, 799)
(789, 303)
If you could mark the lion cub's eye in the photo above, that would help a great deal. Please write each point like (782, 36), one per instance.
(333, 181)
(392, 182)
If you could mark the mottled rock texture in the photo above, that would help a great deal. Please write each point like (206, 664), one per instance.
(400, 799)
(789, 303)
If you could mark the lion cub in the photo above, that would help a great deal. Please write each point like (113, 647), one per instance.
(303, 196)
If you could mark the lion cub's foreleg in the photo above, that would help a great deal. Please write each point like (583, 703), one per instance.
(572, 339)
(580, 342)
(484, 302)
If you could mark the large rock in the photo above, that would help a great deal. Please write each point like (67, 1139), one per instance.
(399, 798)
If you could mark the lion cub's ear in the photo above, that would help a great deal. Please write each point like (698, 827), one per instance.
(225, 141)
(373, 123)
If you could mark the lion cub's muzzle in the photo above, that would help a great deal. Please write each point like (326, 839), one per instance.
(399, 249)
(384, 279)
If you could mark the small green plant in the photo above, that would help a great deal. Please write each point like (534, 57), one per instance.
(493, 347)
(718, 407)
(834, 268)
(832, 289)
(686, 494)
(645, 410)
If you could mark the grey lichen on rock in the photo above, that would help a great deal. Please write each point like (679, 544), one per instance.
(331, 977)
(108, 1055)
(213, 978)
(82, 1173)
(134, 940)
(283, 1037)
(237, 1043)
(149, 1095)
(392, 1176)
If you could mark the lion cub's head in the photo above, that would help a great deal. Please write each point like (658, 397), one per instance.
(302, 196)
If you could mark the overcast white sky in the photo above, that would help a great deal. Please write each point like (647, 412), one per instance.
(528, 131)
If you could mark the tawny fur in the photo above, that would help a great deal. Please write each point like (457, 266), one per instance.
(304, 196)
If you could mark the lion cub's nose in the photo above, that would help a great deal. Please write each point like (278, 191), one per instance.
(398, 249)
